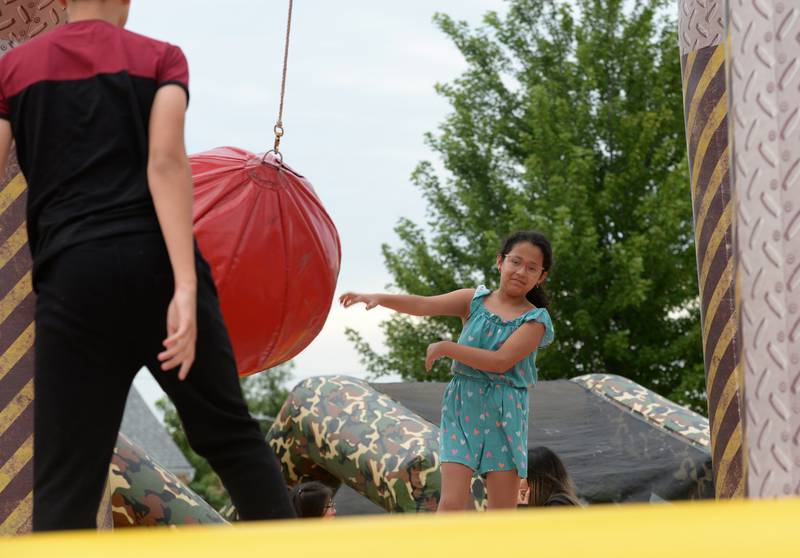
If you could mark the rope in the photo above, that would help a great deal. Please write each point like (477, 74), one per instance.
(278, 128)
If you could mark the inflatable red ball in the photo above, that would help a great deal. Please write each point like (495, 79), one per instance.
(273, 250)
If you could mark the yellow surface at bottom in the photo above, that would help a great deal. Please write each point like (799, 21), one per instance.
(706, 529)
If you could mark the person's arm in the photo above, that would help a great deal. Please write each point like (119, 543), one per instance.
(455, 303)
(6, 139)
(6, 135)
(170, 180)
(520, 344)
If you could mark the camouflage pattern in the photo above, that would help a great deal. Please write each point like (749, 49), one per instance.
(338, 429)
(229, 512)
(146, 494)
(654, 408)
(105, 519)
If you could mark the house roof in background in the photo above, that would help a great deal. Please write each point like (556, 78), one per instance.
(141, 426)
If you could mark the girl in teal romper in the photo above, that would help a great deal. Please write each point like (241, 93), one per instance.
(484, 426)
(485, 415)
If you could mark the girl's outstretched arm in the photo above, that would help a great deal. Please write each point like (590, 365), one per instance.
(520, 344)
(454, 303)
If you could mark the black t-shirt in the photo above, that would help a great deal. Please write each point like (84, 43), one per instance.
(79, 99)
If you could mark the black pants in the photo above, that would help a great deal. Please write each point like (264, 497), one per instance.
(101, 315)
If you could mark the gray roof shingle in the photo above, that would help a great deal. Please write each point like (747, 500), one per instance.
(144, 429)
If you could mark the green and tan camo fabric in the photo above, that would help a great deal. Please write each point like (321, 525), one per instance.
(146, 494)
(338, 429)
(651, 406)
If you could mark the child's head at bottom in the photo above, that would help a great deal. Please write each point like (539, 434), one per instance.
(548, 481)
(313, 499)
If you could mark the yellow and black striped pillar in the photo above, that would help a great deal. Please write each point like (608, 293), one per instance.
(701, 32)
(20, 21)
(16, 359)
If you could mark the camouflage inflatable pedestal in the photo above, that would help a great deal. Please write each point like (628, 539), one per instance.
(338, 428)
(147, 494)
(650, 406)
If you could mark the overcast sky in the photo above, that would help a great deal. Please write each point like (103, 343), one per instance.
(359, 98)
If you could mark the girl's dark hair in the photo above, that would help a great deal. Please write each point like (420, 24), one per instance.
(311, 499)
(536, 295)
(548, 478)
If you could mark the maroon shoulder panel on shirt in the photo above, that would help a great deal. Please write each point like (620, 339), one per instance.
(70, 53)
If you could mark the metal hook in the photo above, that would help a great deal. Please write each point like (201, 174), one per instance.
(278, 156)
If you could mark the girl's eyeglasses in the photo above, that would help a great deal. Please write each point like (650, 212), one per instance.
(516, 263)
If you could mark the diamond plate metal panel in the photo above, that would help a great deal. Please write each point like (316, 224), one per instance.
(765, 97)
(701, 23)
(21, 20)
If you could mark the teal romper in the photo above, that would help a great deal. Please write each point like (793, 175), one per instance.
(485, 415)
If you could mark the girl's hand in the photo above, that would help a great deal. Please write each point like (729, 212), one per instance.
(348, 299)
(434, 353)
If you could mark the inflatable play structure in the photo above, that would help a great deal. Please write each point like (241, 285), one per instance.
(741, 105)
(620, 441)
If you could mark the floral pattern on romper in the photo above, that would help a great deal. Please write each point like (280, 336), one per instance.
(485, 415)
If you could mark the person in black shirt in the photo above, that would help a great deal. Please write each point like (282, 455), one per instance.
(97, 113)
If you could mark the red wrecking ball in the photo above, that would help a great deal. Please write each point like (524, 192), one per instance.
(274, 253)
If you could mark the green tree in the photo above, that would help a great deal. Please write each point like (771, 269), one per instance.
(568, 120)
(265, 394)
